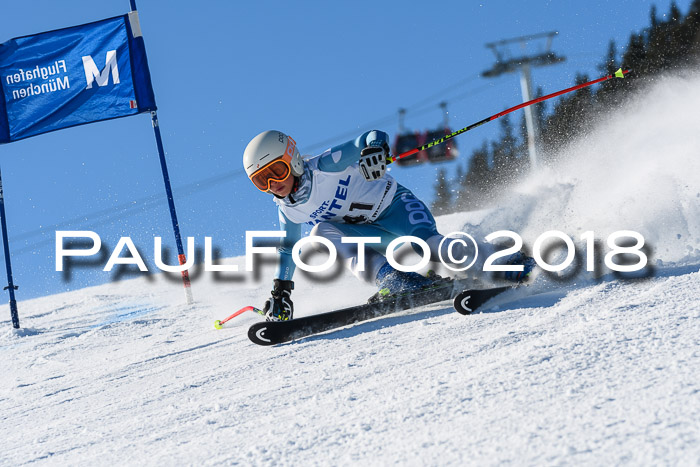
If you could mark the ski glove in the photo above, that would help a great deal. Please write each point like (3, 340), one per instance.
(279, 306)
(374, 159)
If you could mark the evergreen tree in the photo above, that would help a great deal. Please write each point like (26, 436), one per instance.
(674, 13)
(691, 27)
(540, 111)
(660, 44)
(635, 56)
(559, 124)
(460, 174)
(694, 8)
(686, 37)
(478, 181)
(522, 131)
(504, 153)
(607, 94)
(460, 184)
(610, 64)
(443, 194)
(676, 45)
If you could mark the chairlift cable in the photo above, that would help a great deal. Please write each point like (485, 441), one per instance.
(425, 105)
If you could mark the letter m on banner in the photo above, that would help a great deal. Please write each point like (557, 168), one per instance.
(73, 76)
(92, 73)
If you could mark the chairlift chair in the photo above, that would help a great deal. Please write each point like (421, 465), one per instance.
(441, 152)
(405, 141)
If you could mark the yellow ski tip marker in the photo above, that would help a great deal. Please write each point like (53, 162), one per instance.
(217, 324)
(619, 73)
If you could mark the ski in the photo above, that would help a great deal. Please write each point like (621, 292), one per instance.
(277, 332)
(468, 301)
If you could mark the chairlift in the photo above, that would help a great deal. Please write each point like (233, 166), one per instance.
(405, 141)
(445, 151)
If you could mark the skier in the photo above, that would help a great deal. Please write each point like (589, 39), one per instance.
(345, 192)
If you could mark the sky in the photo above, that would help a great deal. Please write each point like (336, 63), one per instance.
(322, 72)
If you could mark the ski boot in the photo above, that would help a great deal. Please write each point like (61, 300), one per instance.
(279, 306)
(528, 264)
(392, 282)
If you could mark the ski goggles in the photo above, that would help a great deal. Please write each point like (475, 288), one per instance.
(277, 170)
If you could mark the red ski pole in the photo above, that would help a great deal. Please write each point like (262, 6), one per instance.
(219, 324)
(618, 74)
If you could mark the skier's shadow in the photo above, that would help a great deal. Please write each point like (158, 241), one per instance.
(381, 323)
(499, 304)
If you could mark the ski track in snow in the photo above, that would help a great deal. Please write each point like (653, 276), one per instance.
(595, 370)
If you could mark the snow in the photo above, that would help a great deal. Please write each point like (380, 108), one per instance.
(594, 370)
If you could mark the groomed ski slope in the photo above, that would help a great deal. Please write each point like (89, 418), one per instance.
(592, 370)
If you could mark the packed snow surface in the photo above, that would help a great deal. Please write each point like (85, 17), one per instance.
(595, 369)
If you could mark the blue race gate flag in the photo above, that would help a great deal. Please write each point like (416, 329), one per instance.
(73, 76)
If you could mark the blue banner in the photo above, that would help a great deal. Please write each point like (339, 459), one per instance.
(73, 76)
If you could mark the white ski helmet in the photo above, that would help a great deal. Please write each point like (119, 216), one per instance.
(271, 155)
